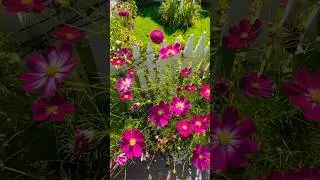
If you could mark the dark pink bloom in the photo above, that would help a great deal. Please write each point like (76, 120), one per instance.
(121, 159)
(57, 108)
(170, 51)
(221, 87)
(16, 6)
(243, 35)
(256, 86)
(184, 128)
(180, 106)
(157, 36)
(160, 114)
(135, 107)
(304, 93)
(185, 72)
(126, 96)
(200, 124)
(125, 53)
(272, 175)
(82, 140)
(201, 157)
(132, 72)
(205, 91)
(117, 61)
(49, 71)
(124, 12)
(190, 88)
(68, 33)
(230, 140)
(132, 142)
(125, 83)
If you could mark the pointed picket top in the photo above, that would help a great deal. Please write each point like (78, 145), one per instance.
(199, 51)
(150, 62)
(188, 49)
(177, 40)
(312, 19)
(136, 52)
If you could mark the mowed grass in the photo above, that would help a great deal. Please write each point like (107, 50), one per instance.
(148, 20)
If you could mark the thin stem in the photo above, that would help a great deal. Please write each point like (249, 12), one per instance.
(20, 172)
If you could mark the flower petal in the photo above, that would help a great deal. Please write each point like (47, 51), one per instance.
(37, 64)
(50, 87)
(313, 114)
(137, 151)
(219, 159)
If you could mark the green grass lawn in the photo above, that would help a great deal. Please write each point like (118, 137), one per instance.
(147, 20)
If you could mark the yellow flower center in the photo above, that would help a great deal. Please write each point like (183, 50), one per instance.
(126, 83)
(224, 138)
(198, 123)
(132, 142)
(255, 85)
(51, 70)
(184, 127)
(26, 1)
(200, 156)
(160, 112)
(180, 105)
(315, 95)
(69, 36)
(52, 110)
(244, 35)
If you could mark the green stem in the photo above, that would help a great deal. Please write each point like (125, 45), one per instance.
(20, 172)
(82, 85)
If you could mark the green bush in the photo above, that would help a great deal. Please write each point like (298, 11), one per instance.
(173, 14)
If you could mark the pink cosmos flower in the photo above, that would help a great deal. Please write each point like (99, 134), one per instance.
(160, 114)
(304, 93)
(205, 91)
(135, 107)
(221, 87)
(230, 140)
(16, 6)
(82, 140)
(125, 83)
(185, 72)
(132, 72)
(124, 12)
(132, 142)
(68, 33)
(117, 61)
(243, 34)
(125, 53)
(57, 108)
(190, 88)
(256, 86)
(184, 128)
(157, 36)
(200, 124)
(49, 71)
(121, 159)
(201, 157)
(126, 96)
(180, 106)
(170, 51)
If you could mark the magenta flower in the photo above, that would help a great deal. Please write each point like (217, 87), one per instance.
(49, 71)
(125, 83)
(68, 33)
(308, 173)
(304, 93)
(200, 124)
(125, 53)
(132, 72)
(124, 12)
(180, 106)
(230, 140)
(221, 87)
(201, 157)
(132, 142)
(126, 96)
(17, 6)
(243, 35)
(170, 51)
(160, 114)
(135, 107)
(157, 36)
(256, 86)
(121, 159)
(57, 108)
(186, 72)
(184, 128)
(190, 88)
(272, 175)
(117, 61)
(205, 91)
(82, 140)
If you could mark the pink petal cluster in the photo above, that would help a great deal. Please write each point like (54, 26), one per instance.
(125, 83)
(180, 106)
(132, 72)
(49, 71)
(201, 157)
(132, 142)
(184, 128)
(82, 140)
(304, 93)
(56, 108)
(190, 88)
(157, 36)
(221, 87)
(124, 12)
(121, 57)
(231, 140)
(243, 35)
(121, 159)
(170, 51)
(186, 72)
(16, 6)
(255, 85)
(160, 114)
(68, 33)
(200, 124)
(205, 91)
(126, 96)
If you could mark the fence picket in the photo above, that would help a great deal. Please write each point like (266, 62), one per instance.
(150, 62)
(187, 52)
